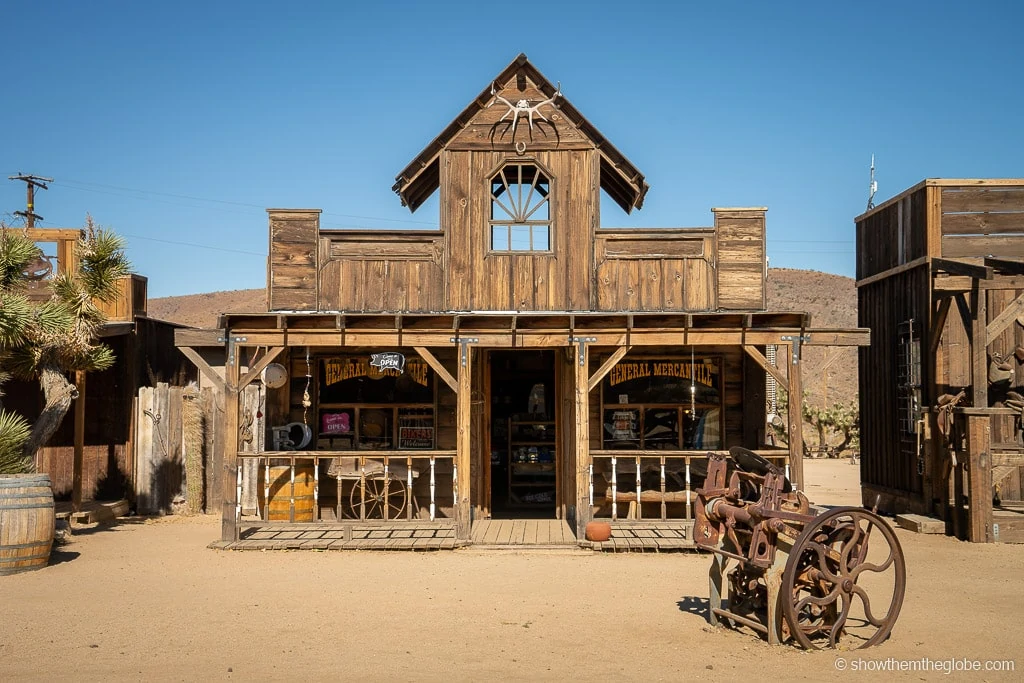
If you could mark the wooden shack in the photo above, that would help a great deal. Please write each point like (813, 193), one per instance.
(940, 278)
(92, 451)
(521, 362)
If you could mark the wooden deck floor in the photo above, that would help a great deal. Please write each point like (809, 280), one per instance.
(533, 533)
(647, 537)
(415, 536)
(487, 534)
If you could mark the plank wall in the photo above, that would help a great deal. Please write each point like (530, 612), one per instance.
(292, 277)
(888, 452)
(983, 221)
(741, 259)
(654, 270)
(479, 280)
(382, 271)
(893, 234)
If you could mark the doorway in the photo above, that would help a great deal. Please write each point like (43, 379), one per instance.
(525, 461)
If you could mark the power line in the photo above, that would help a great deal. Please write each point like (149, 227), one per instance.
(70, 183)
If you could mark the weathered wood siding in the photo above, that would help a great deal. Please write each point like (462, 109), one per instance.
(894, 234)
(741, 264)
(382, 271)
(986, 221)
(292, 277)
(129, 302)
(889, 451)
(654, 270)
(479, 280)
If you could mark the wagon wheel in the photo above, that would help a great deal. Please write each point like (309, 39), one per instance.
(378, 495)
(841, 558)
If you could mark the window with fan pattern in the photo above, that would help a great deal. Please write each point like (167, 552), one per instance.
(520, 209)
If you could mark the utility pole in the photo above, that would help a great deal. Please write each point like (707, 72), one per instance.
(31, 182)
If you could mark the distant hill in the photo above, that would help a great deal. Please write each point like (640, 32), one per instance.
(830, 299)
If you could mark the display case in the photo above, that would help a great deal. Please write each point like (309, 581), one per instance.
(532, 471)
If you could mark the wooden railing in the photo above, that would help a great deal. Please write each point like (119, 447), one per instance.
(656, 477)
(382, 484)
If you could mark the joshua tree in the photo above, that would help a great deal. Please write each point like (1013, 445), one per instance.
(49, 339)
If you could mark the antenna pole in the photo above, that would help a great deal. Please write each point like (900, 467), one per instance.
(31, 183)
(872, 185)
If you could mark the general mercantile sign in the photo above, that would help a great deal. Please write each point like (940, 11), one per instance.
(341, 369)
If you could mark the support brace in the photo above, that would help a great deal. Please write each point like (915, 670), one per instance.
(464, 342)
(582, 342)
(796, 341)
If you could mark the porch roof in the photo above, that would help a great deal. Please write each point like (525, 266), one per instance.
(520, 329)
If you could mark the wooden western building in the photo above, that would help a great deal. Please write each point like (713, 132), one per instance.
(520, 363)
(940, 278)
(91, 456)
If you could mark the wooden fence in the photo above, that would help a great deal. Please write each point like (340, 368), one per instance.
(160, 451)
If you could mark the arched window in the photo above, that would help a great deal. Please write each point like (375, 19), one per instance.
(520, 209)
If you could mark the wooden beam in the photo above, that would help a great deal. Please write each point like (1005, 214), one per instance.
(979, 350)
(938, 324)
(848, 337)
(768, 367)
(79, 455)
(581, 427)
(1005, 265)
(965, 314)
(229, 475)
(962, 268)
(957, 283)
(440, 369)
(463, 422)
(204, 367)
(910, 265)
(795, 413)
(606, 367)
(190, 337)
(1006, 318)
(979, 478)
(259, 366)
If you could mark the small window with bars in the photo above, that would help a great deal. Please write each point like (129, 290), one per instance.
(520, 209)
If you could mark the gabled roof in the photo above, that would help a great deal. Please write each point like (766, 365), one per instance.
(619, 178)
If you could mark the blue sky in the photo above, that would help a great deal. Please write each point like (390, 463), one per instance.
(177, 124)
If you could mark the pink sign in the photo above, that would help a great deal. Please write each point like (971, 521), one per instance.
(335, 423)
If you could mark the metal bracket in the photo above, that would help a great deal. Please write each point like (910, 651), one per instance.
(797, 342)
(232, 342)
(582, 341)
(464, 342)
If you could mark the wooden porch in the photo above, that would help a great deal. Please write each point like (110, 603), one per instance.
(327, 536)
(487, 534)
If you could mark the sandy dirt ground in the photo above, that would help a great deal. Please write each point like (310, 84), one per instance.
(146, 600)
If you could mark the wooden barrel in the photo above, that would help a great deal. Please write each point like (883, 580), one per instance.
(280, 505)
(26, 522)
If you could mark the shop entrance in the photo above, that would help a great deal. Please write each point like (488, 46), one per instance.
(525, 461)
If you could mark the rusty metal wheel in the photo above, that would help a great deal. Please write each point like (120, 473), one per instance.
(845, 564)
(380, 496)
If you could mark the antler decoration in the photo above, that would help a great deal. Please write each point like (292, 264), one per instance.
(523, 107)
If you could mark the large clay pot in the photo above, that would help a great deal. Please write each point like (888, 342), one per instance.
(598, 532)
(26, 522)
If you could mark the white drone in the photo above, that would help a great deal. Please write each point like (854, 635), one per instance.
(523, 108)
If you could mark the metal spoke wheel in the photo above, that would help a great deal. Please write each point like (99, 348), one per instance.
(383, 498)
(844, 567)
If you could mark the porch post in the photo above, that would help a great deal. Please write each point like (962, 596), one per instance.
(582, 433)
(229, 476)
(463, 519)
(979, 478)
(796, 418)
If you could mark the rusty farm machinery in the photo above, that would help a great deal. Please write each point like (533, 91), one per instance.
(832, 580)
